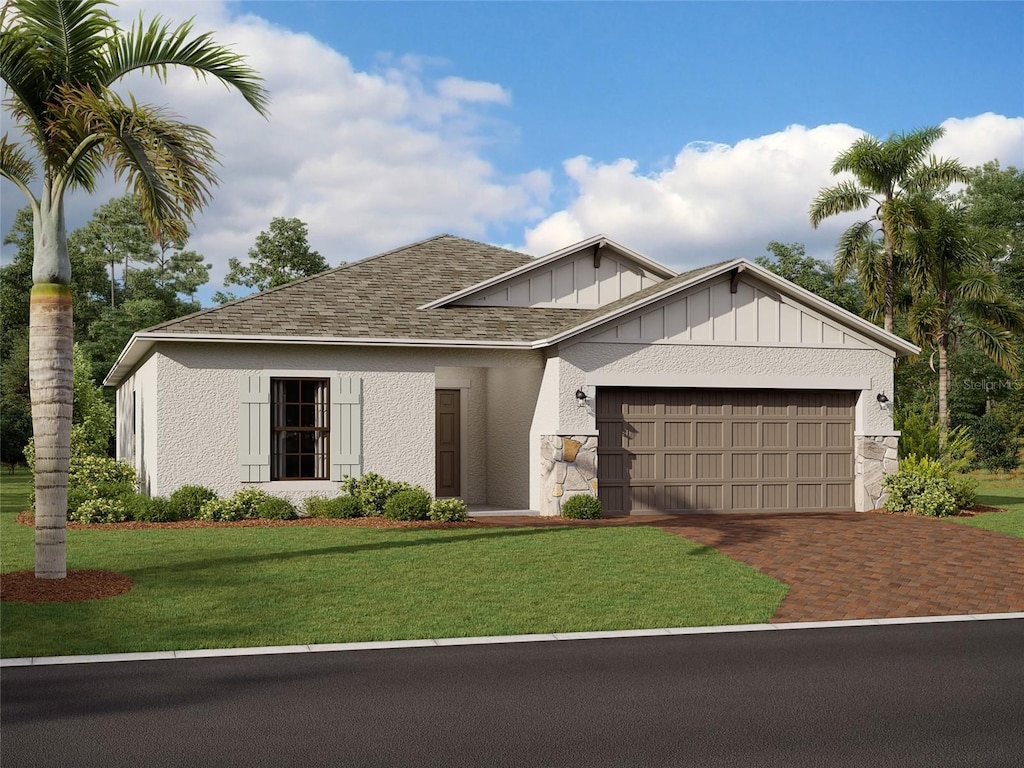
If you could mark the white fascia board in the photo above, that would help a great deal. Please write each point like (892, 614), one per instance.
(654, 266)
(140, 343)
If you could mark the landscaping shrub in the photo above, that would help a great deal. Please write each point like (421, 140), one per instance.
(448, 511)
(372, 491)
(244, 505)
(337, 507)
(928, 487)
(148, 509)
(276, 508)
(105, 510)
(582, 506)
(92, 470)
(413, 504)
(186, 502)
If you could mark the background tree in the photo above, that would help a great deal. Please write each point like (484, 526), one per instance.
(791, 262)
(891, 176)
(958, 295)
(281, 254)
(59, 60)
(117, 235)
(994, 201)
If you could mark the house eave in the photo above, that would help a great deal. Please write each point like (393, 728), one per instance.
(140, 344)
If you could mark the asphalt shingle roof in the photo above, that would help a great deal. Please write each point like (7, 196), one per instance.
(379, 298)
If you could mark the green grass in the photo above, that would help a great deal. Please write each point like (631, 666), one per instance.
(221, 587)
(999, 489)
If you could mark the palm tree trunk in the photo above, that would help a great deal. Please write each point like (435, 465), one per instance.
(51, 385)
(890, 282)
(943, 391)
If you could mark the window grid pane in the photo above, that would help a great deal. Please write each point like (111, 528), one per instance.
(300, 429)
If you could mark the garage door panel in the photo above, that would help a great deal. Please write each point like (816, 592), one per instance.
(775, 434)
(808, 465)
(774, 466)
(745, 466)
(745, 496)
(678, 466)
(838, 435)
(643, 466)
(809, 435)
(775, 496)
(808, 495)
(678, 450)
(640, 434)
(708, 497)
(838, 495)
(838, 465)
(708, 434)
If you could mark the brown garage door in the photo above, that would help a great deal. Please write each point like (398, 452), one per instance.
(698, 450)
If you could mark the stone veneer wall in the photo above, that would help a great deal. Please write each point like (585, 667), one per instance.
(876, 457)
(568, 468)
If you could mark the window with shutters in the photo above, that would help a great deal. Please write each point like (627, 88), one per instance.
(300, 429)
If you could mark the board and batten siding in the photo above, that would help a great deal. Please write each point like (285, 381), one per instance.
(254, 428)
(568, 283)
(753, 314)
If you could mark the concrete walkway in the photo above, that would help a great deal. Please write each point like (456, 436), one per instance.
(858, 565)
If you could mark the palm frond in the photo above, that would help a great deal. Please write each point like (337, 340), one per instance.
(160, 45)
(908, 150)
(851, 246)
(936, 175)
(926, 318)
(166, 162)
(844, 197)
(23, 70)
(72, 33)
(1000, 310)
(16, 166)
(997, 343)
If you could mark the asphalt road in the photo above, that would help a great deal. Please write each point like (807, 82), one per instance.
(909, 695)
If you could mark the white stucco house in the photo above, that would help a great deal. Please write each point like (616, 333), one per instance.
(516, 382)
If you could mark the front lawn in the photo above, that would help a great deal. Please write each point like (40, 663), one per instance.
(234, 587)
(999, 489)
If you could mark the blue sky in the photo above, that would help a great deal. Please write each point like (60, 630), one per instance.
(689, 131)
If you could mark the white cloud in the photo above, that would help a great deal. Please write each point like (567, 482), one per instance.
(369, 160)
(720, 201)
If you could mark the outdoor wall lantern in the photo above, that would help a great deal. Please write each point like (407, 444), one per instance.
(581, 398)
(882, 399)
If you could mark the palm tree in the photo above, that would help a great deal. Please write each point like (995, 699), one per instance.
(957, 296)
(892, 175)
(59, 60)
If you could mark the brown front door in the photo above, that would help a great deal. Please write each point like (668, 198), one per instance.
(447, 429)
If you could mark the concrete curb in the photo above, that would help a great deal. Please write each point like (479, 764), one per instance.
(40, 661)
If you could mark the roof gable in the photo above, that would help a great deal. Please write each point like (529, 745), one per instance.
(702, 307)
(587, 275)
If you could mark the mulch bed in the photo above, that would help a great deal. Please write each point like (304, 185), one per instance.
(27, 518)
(24, 587)
(977, 509)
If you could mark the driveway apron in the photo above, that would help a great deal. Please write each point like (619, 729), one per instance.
(859, 565)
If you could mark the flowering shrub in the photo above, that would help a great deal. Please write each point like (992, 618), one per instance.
(448, 510)
(928, 487)
(247, 504)
(372, 491)
(107, 510)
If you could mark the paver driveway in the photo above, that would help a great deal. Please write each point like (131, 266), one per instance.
(859, 565)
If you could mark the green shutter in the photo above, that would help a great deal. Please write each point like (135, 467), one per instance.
(254, 429)
(346, 427)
